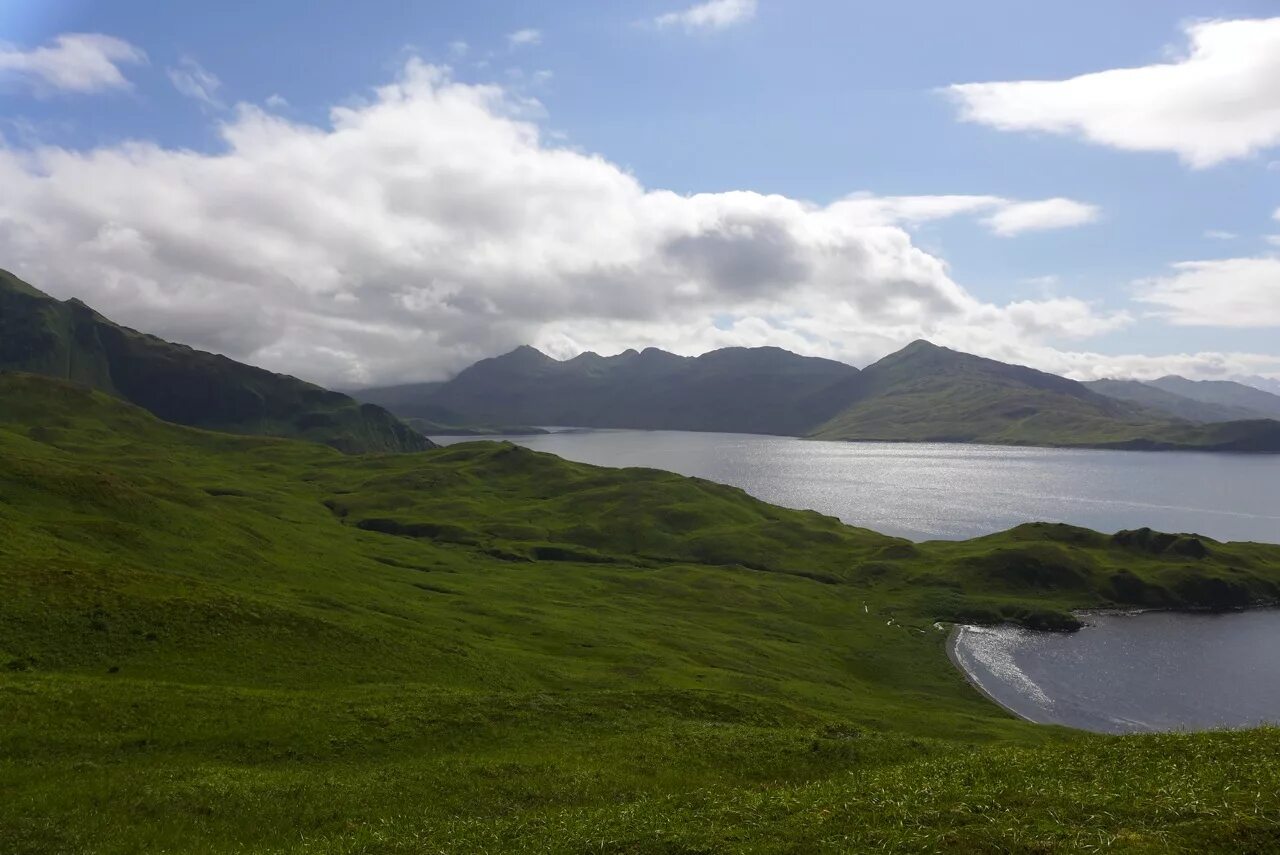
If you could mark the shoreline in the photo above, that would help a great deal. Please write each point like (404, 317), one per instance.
(953, 638)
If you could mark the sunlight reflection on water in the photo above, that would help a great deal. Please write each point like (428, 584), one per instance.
(924, 491)
(1133, 673)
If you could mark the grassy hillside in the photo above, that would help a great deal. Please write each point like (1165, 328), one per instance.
(926, 393)
(1171, 404)
(1222, 393)
(225, 643)
(70, 341)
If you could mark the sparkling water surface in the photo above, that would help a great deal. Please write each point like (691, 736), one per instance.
(1157, 671)
(944, 491)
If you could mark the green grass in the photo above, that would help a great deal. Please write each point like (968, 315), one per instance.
(926, 393)
(70, 341)
(212, 643)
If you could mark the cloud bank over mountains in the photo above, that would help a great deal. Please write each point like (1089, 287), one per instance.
(433, 224)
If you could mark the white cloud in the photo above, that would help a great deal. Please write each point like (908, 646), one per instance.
(712, 15)
(459, 48)
(196, 82)
(1086, 365)
(1228, 292)
(1219, 234)
(1274, 240)
(1008, 217)
(1218, 102)
(1059, 213)
(277, 101)
(524, 37)
(430, 226)
(912, 210)
(74, 62)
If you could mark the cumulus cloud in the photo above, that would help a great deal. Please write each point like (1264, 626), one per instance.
(1216, 102)
(195, 81)
(75, 62)
(1227, 292)
(433, 224)
(524, 37)
(712, 15)
(1008, 217)
(1090, 365)
(1014, 219)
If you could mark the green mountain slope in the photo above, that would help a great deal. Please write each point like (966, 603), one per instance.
(1222, 393)
(926, 393)
(70, 341)
(749, 390)
(225, 643)
(922, 393)
(1171, 404)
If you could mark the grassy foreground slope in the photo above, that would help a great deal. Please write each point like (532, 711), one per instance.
(70, 341)
(218, 643)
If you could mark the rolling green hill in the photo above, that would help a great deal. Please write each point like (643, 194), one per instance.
(926, 393)
(70, 341)
(1171, 404)
(1225, 393)
(219, 643)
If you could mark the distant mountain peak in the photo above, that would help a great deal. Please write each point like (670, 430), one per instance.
(525, 354)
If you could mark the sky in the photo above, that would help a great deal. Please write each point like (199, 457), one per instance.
(383, 192)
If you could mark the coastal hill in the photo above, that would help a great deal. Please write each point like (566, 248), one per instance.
(1145, 394)
(922, 393)
(1226, 393)
(926, 393)
(259, 644)
(70, 341)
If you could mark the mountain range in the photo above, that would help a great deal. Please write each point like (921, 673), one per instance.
(70, 341)
(922, 393)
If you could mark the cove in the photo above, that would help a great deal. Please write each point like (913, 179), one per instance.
(1132, 673)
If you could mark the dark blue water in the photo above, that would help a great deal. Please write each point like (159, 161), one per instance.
(1133, 673)
(925, 491)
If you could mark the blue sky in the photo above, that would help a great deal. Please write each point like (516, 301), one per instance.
(807, 100)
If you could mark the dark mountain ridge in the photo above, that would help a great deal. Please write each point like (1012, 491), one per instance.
(922, 393)
(1171, 403)
(70, 341)
(755, 390)
(1222, 393)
